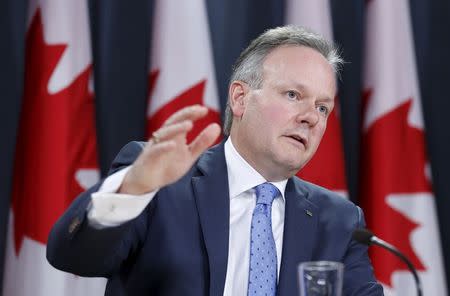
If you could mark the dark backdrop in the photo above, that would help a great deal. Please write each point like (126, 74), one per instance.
(121, 40)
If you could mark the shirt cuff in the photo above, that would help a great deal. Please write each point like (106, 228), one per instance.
(109, 208)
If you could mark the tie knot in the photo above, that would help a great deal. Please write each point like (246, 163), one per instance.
(266, 193)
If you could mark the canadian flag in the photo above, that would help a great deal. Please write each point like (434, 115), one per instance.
(56, 154)
(182, 71)
(327, 167)
(396, 187)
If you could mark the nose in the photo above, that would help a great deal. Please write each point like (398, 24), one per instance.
(308, 115)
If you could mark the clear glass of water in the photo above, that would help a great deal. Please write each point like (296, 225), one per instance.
(321, 278)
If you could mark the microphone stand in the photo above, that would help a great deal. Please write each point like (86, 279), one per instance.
(379, 242)
(366, 237)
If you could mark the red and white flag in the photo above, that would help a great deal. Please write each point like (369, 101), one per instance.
(181, 66)
(396, 187)
(327, 167)
(56, 154)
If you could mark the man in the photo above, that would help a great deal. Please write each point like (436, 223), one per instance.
(172, 219)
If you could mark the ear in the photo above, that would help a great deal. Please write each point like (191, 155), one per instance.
(238, 93)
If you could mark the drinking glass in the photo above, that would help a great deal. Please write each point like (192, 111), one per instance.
(321, 278)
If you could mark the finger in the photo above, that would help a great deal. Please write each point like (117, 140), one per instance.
(158, 149)
(168, 132)
(163, 147)
(205, 139)
(147, 158)
(189, 113)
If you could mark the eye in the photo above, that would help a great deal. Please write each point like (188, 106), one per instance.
(292, 95)
(323, 109)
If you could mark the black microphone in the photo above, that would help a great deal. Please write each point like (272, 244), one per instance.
(366, 237)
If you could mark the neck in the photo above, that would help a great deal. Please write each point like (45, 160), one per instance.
(270, 171)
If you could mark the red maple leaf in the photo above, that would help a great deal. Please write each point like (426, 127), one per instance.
(327, 167)
(56, 137)
(191, 96)
(393, 162)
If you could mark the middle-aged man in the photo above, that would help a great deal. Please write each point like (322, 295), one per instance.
(174, 219)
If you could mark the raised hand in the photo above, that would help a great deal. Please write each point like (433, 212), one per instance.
(167, 155)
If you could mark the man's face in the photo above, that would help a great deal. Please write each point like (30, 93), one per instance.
(278, 127)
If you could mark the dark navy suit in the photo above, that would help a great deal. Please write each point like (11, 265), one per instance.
(179, 244)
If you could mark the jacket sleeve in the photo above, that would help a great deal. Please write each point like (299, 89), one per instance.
(358, 273)
(74, 246)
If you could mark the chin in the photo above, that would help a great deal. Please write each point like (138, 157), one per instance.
(288, 160)
(292, 165)
(295, 159)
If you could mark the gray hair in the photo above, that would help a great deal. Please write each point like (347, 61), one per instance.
(248, 67)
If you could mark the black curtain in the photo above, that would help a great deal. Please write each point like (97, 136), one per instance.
(431, 25)
(120, 42)
(348, 29)
(12, 52)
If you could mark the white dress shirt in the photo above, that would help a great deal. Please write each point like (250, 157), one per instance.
(112, 209)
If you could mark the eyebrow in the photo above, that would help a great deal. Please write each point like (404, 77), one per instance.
(302, 88)
(326, 99)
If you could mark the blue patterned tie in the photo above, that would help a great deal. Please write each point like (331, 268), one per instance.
(262, 280)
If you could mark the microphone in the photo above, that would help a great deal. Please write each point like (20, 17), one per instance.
(366, 237)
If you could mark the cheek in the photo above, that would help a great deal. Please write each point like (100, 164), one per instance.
(318, 132)
(275, 115)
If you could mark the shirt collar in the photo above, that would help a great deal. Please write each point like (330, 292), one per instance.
(241, 175)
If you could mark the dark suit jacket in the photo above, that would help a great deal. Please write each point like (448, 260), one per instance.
(179, 244)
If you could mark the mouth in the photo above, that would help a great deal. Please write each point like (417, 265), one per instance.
(299, 140)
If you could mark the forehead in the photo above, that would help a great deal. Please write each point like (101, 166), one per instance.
(299, 65)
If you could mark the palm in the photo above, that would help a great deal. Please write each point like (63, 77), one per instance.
(166, 160)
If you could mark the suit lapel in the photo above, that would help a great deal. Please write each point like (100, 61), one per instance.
(213, 204)
(300, 228)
